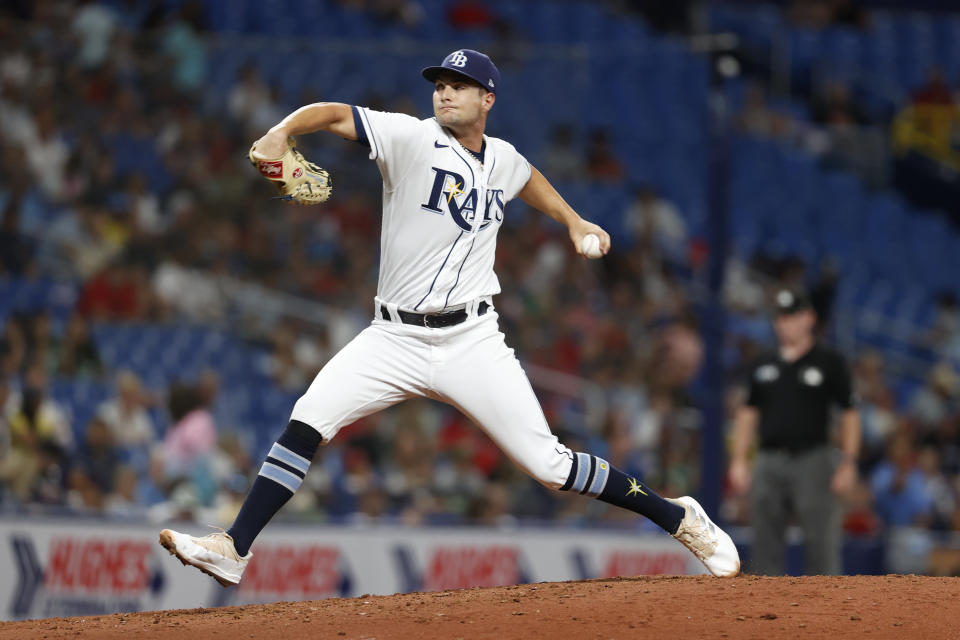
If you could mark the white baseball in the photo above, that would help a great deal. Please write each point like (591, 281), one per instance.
(590, 246)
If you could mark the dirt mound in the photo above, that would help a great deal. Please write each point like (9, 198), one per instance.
(650, 607)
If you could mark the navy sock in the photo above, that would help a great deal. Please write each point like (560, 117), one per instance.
(279, 478)
(596, 477)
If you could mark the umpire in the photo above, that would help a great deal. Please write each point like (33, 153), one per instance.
(797, 471)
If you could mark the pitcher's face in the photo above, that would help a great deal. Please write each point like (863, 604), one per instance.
(459, 102)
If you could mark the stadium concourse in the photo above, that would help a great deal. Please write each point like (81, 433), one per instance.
(149, 285)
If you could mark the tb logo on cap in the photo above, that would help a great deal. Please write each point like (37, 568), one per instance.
(458, 59)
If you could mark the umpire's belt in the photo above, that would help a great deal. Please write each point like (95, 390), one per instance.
(434, 320)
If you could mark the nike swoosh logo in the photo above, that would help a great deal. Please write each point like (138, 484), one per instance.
(440, 146)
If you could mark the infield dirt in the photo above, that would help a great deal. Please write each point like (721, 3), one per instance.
(644, 607)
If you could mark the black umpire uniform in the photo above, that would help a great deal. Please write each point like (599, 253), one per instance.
(789, 414)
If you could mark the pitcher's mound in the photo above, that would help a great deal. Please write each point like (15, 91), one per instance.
(647, 607)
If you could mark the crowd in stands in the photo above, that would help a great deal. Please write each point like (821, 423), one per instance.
(115, 177)
(869, 74)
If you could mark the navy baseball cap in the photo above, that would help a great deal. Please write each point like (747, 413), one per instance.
(472, 64)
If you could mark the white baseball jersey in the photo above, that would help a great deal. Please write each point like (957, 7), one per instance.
(441, 212)
(442, 209)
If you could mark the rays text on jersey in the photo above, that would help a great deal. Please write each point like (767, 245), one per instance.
(449, 191)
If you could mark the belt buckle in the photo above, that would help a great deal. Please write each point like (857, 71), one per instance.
(427, 320)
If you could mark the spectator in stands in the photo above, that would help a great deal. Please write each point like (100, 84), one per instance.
(937, 400)
(900, 488)
(358, 478)
(562, 162)
(877, 405)
(458, 480)
(849, 13)
(859, 518)
(77, 353)
(208, 386)
(755, 118)
(670, 16)
(820, 14)
(37, 414)
(283, 365)
(182, 291)
(83, 494)
(231, 461)
(621, 441)
(190, 440)
(122, 501)
(41, 343)
(935, 93)
(296, 355)
(937, 486)
(248, 96)
(38, 431)
(404, 13)
(47, 154)
(75, 244)
(410, 469)
(470, 14)
(946, 322)
(16, 250)
(492, 508)
(678, 354)
(835, 106)
(652, 217)
(815, 14)
(373, 505)
(48, 485)
(947, 442)
(13, 348)
(118, 292)
(16, 121)
(602, 162)
(126, 416)
(93, 26)
(98, 457)
(183, 44)
(144, 206)
(152, 486)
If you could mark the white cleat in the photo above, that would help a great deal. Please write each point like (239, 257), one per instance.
(214, 554)
(706, 540)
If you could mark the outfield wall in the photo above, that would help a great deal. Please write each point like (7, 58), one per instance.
(69, 567)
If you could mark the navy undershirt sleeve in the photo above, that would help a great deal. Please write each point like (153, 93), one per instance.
(361, 132)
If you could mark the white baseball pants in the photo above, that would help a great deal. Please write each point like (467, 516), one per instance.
(468, 366)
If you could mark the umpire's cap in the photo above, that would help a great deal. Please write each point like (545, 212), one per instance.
(788, 301)
(472, 64)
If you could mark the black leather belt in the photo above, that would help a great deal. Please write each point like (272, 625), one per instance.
(434, 320)
(795, 450)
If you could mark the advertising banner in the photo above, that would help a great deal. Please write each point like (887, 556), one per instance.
(74, 567)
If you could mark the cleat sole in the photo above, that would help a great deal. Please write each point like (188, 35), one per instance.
(166, 541)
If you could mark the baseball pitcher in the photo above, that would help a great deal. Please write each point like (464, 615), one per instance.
(434, 331)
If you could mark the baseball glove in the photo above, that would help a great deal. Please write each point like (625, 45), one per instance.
(297, 179)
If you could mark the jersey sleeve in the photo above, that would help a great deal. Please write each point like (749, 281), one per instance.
(841, 384)
(519, 174)
(395, 140)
